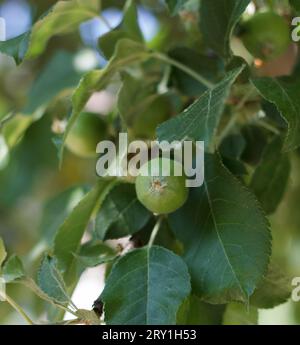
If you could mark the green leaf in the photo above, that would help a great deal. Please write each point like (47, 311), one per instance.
(3, 252)
(59, 74)
(88, 317)
(200, 120)
(233, 146)
(56, 210)
(16, 47)
(69, 235)
(95, 253)
(225, 235)
(196, 312)
(256, 141)
(121, 213)
(217, 21)
(51, 281)
(146, 286)
(295, 4)
(284, 93)
(128, 28)
(135, 96)
(270, 178)
(210, 67)
(240, 314)
(165, 237)
(13, 269)
(274, 289)
(231, 150)
(64, 17)
(127, 53)
(14, 129)
(175, 5)
(31, 284)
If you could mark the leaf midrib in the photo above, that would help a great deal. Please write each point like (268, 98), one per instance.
(219, 237)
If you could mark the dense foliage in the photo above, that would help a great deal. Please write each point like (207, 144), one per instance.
(220, 71)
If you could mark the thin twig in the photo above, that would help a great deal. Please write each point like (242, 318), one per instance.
(268, 126)
(184, 68)
(105, 21)
(154, 232)
(18, 309)
(234, 117)
(7, 118)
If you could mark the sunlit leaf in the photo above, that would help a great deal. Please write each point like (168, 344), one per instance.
(13, 269)
(63, 17)
(3, 252)
(69, 235)
(240, 314)
(88, 317)
(128, 28)
(56, 210)
(200, 120)
(59, 74)
(127, 53)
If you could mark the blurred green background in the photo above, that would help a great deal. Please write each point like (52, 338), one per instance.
(35, 196)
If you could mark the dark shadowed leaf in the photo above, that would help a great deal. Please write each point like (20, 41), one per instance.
(284, 93)
(95, 253)
(270, 178)
(217, 21)
(146, 286)
(207, 66)
(121, 213)
(233, 146)
(256, 142)
(175, 5)
(225, 235)
(295, 4)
